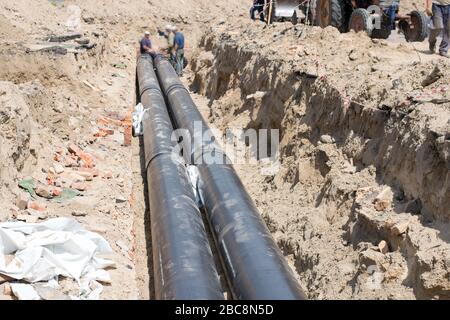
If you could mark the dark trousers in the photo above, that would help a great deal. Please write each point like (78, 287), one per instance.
(441, 23)
(257, 8)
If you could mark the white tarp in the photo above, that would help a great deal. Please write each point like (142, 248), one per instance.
(61, 246)
(138, 115)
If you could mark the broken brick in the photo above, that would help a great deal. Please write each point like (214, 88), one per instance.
(37, 206)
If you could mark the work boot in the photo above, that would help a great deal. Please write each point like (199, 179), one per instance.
(432, 48)
(444, 54)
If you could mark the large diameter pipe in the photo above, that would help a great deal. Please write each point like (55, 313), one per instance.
(255, 266)
(183, 263)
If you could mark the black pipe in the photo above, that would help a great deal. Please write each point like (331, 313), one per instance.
(182, 259)
(256, 268)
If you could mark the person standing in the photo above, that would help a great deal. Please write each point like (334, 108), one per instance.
(178, 51)
(258, 6)
(439, 10)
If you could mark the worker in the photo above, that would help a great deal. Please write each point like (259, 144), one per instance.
(170, 36)
(439, 10)
(146, 47)
(178, 51)
(258, 6)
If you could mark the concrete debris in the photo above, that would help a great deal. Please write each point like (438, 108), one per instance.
(64, 37)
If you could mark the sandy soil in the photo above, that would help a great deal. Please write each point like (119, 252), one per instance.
(364, 142)
(360, 125)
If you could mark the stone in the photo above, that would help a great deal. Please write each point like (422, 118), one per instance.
(7, 291)
(353, 55)
(44, 192)
(80, 186)
(82, 41)
(22, 201)
(371, 257)
(400, 228)
(14, 212)
(107, 175)
(383, 200)
(58, 168)
(79, 213)
(27, 218)
(121, 199)
(77, 177)
(98, 229)
(383, 247)
(51, 170)
(88, 176)
(94, 172)
(326, 139)
(34, 213)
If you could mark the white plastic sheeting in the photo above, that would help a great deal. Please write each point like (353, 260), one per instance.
(138, 115)
(61, 246)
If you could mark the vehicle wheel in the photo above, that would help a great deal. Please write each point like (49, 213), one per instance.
(331, 13)
(418, 28)
(384, 32)
(361, 20)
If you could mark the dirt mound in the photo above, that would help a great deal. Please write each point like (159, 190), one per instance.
(364, 152)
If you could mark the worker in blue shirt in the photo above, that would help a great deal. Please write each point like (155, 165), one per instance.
(178, 51)
(146, 47)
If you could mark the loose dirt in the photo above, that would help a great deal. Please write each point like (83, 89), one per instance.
(364, 128)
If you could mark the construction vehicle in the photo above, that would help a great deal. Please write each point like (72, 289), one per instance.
(375, 17)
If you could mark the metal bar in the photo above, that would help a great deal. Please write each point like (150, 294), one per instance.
(182, 259)
(255, 266)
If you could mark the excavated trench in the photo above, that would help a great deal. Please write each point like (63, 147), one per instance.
(360, 203)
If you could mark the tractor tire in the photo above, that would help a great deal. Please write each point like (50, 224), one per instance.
(418, 28)
(360, 20)
(331, 13)
(384, 32)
